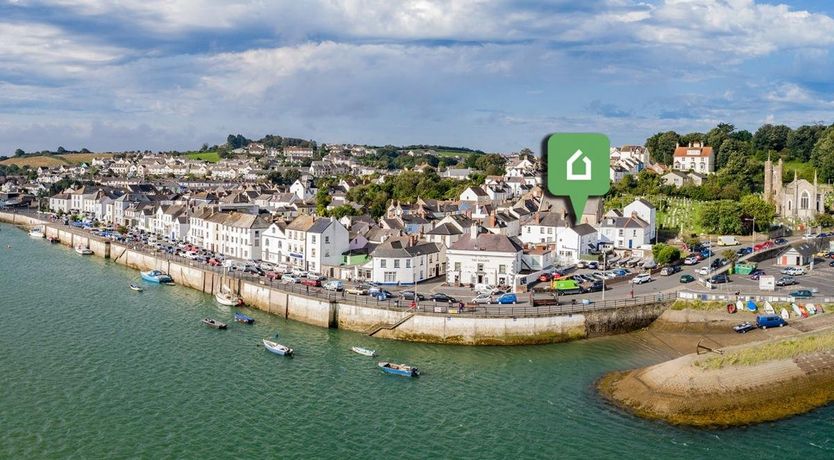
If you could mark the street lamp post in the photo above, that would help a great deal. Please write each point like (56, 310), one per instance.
(604, 267)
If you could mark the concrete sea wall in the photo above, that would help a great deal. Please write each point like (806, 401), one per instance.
(346, 313)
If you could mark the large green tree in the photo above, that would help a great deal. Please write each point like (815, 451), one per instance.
(661, 146)
(754, 207)
(771, 137)
(823, 155)
(801, 141)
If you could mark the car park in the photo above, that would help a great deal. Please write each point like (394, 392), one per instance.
(766, 321)
(786, 280)
(687, 278)
(642, 278)
(802, 294)
(507, 298)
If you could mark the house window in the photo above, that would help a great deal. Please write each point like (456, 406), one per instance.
(396, 263)
(620, 232)
(480, 267)
(550, 231)
(457, 266)
(502, 269)
(313, 253)
(634, 233)
(407, 263)
(326, 240)
(390, 277)
(383, 263)
(314, 239)
(804, 200)
(529, 229)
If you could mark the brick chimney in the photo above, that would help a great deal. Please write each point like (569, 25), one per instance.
(473, 231)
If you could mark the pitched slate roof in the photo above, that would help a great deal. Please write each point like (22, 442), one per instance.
(487, 242)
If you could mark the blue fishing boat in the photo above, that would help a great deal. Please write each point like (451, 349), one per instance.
(241, 318)
(156, 276)
(398, 369)
(751, 305)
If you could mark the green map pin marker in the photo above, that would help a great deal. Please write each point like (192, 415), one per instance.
(577, 167)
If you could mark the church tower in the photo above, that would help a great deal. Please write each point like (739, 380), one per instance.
(768, 180)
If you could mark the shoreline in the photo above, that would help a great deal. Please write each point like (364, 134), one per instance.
(727, 389)
(364, 315)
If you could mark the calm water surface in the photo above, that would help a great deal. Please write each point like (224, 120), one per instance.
(91, 369)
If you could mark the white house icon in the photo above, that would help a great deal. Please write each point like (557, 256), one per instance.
(585, 175)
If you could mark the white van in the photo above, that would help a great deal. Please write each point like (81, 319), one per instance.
(333, 285)
(483, 288)
(727, 241)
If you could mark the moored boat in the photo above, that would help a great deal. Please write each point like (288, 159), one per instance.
(224, 297)
(37, 232)
(751, 305)
(136, 287)
(398, 369)
(156, 276)
(81, 250)
(214, 323)
(363, 351)
(53, 239)
(241, 318)
(277, 348)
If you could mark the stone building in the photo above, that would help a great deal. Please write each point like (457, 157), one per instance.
(798, 200)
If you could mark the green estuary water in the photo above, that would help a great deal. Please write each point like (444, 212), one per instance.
(91, 369)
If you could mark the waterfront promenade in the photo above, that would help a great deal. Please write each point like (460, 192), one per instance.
(429, 322)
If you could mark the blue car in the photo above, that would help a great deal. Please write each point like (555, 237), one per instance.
(507, 298)
(744, 251)
(706, 253)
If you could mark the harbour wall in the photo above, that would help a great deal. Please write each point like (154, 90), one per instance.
(338, 311)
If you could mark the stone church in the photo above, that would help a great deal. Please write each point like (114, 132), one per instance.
(798, 200)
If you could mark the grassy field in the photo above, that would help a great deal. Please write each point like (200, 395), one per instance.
(805, 170)
(51, 161)
(211, 157)
(783, 349)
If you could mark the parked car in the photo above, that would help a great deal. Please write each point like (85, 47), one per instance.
(380, 294)
(704, 271)
(779, 241)
(744, 251)
(705, 253)
(289, 279)
(793, 271)
(802, 294)
(756, 274)
(727, 241)
(357, 290)
(483, 287)
(642, 278)
(315, 276)
(482, 299)
(545, 277)
(333, 285)
(744, 327)
(507, 298)
(809, 236)
(593, 265)
(687, 278)
(720, 278)
(595, 286)
(766, 321)
(410, 295)
(831, 264)
(786, 280)
(691, 260)
(299, 272)
(309, 282)
(670, 270)
(441, 297)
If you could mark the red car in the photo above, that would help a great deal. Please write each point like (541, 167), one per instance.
(309, 282)
(214, 262)
(544, 277)
(272, 276)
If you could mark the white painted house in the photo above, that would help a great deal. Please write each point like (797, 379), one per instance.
(403, 260)
(646, 211)
(483, 258)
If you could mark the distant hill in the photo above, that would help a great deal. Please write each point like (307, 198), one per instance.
(51, 161)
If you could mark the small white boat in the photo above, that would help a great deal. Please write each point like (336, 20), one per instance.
(37, 232)
(785, 315)
(224, 297)
(768, 308)
(363, 351)
(277, 348)
(136, 287)
(81, 250)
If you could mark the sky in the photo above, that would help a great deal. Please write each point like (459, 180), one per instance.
(490, 74)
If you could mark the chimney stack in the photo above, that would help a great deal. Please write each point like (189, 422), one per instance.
(473, 231)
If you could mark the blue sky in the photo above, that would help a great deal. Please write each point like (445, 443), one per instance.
(491, 74)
